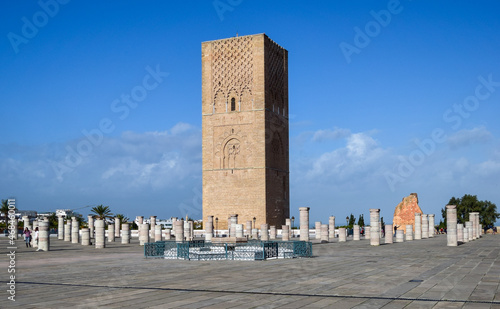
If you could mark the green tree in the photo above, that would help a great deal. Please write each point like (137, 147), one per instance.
(102, 212)
(469, 203)
(5, 209)
(53, 221)
(361, 220)
(122, 218)
(79, 217)
(352, 221)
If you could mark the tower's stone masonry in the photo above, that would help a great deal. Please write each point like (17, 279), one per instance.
(245, 130)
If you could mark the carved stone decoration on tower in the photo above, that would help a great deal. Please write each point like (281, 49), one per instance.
(245, 130)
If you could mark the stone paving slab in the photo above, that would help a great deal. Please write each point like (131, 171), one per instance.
(416, 274)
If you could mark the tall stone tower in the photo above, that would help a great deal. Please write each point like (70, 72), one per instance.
(245, 130)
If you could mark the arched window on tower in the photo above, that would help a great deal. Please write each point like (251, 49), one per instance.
(233, 104)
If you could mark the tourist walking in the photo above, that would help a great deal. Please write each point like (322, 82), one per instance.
(27, 237)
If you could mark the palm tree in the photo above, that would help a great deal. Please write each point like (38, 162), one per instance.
(5, 209)
(102, 212)
(122, 218)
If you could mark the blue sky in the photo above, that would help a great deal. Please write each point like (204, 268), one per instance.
(386, 98)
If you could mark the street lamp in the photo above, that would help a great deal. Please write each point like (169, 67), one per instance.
(254, 222)
(216, 226)
(293, 219)
(347, 221)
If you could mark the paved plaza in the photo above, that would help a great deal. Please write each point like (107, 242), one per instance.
(415, 274)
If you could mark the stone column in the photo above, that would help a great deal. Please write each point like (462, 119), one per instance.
(388, 233)
(43, 236)
(466, 234)
(324, 233)
(460, 232)
(264, 234)
(418, 226)
(367, 232)
(60, 227)
(232, 221)
(425, 226)
(480, 230)
(239, 231)
(168, 234)
(179, 231)
(100, 234)
(140, 222)
(26, 223)
(374, 227)
(288, 222)
(285, 233)
(231, 228)
(475, 224)
(400, 236)
(472, 220)
(187, 231)
(331, 227)
(75, 231)
(67, 231)
(117, 227)
(342, 234)
(317, 230)
(451, 225)
(111, 232)
(248, 229)
(478, 224)
(432, 223)
(125, 233)
(255, 234)
(468, 226)
(409, 232)
(209, 229)
(85, 237)
(304, 223)
(35, 225)
(158, 233)
(90, 220)
(272, 232)
(152, 221)
(355, 233)
(144, 234)
(191, 230)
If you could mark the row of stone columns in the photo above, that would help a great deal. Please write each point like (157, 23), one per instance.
(458, 232)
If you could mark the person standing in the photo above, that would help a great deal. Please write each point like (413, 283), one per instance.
(36, 235)
(27, 237)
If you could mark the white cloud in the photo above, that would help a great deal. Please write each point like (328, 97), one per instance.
(361, 154)
(466, 137)
(328, 134)
(159, 167)
(488, 168)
